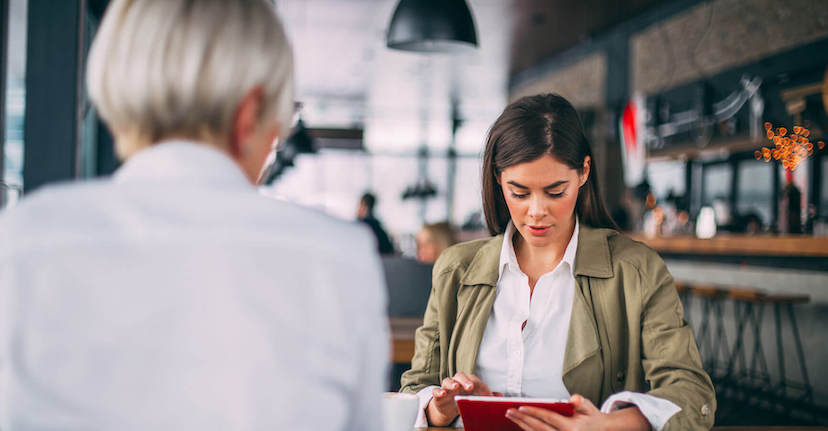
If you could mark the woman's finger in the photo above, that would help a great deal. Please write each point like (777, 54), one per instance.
(582, 405)
(548, 417)
(517, 419)
(450, 385)
(480, 387)
(528, 422)
(468, 383)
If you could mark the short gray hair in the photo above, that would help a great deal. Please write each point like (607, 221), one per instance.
(179, 68)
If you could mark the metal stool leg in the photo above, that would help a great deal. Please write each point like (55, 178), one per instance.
(809, 390)
(720, 352)
(780, 357)
(704, 341)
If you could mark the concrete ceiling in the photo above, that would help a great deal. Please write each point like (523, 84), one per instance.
(543, 28)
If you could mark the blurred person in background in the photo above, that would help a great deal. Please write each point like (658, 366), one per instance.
(174, 296)
(432, 239)
(365, 214)
(557, 303)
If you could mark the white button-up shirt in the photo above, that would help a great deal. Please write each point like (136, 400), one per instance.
(529, 362)
(514, 361)
(174, 296)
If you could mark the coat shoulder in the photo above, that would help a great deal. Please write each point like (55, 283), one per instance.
(460, 255)
(627, 251)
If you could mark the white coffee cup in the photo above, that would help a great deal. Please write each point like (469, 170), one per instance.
(399, 411)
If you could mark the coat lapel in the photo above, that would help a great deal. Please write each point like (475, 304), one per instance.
(475, 299)
(583, 369)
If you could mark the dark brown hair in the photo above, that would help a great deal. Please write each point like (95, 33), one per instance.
(526, 130)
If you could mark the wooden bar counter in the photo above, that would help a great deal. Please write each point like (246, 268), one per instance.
(746, 245)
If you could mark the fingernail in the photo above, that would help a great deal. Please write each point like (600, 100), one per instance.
(469, 387)
(510, 413)
(523, 409)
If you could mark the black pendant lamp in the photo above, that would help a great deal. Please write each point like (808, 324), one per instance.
(432, 26)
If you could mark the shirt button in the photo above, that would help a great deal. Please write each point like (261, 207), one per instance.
(620, 376)
(705, 410)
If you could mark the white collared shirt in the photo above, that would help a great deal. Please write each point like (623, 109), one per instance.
(174, 296)
(529, 362)
(514, 361)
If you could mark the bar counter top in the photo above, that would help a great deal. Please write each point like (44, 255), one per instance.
(746, 245)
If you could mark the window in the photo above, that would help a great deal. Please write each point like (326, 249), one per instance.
(15, 97)
(717, 181)
(666, 176)
(716, 186)
(755, 190)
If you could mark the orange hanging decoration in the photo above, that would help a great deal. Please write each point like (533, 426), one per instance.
(790, 149)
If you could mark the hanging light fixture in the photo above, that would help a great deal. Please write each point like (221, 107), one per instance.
(432, 26)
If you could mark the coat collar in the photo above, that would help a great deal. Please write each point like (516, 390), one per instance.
(508, 259)
(592, 258)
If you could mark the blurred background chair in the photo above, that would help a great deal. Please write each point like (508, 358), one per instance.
(409, 286)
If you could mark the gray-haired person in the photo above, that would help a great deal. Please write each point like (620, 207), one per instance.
(172, 295)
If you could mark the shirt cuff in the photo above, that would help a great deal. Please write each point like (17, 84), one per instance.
(425, 395)
(656, 410)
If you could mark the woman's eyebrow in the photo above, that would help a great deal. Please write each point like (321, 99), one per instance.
(555, 184)
(551, 186)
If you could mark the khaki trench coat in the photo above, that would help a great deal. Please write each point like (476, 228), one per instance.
(627, 330)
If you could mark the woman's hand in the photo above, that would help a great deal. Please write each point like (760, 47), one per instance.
(587, 417)
(442, 409)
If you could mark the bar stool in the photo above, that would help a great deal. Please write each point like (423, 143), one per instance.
(785, 385)
(753, 381)
(712, 337)
(752, 374)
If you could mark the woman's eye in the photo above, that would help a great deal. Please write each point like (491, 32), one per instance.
(519, 196)
(555, 195)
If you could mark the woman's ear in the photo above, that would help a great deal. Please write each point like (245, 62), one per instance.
(585, 170)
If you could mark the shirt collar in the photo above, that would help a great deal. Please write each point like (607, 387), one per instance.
(182, 162)
(508, 259)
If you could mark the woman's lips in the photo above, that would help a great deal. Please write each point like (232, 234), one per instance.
(538, 230)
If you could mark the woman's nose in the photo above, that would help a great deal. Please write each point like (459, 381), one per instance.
(537, 207)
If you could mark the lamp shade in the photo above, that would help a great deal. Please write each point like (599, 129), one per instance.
(432, 26)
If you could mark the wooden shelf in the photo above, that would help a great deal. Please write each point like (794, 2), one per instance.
(741, 245)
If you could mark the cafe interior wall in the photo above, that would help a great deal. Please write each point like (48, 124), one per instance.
(404, 102)
(672, 48)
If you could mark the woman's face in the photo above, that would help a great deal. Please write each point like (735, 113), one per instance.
(541, 197)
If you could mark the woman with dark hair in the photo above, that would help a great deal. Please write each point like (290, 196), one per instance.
(557, 304)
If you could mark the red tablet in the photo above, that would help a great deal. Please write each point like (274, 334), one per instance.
(489, 413)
